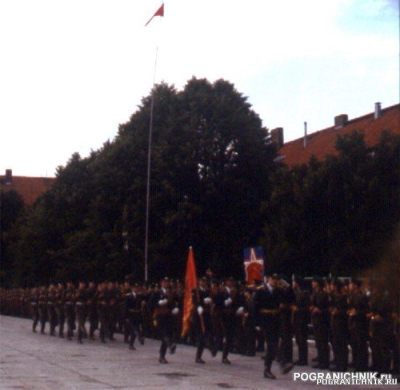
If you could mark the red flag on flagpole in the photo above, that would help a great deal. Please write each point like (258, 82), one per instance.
(159, 12)
(190, 285)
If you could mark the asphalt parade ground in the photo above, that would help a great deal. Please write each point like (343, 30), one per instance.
(30, 361)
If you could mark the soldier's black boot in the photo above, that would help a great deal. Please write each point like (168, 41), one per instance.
(268, 374)
(287, 367)
(198, 357)
(225, 359)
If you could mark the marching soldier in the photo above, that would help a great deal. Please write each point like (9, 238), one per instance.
(225, 306)
(113, 299)
(42, 308)
(123, 323)
(164, 308)
(51, 309)
(267, 300)
(147, 324)
(339, 326)
(358, 326)
(241, 319)
(301, 318)
(102, 299)
(320, 322)
(91, 306)
(285, 314)
(249, 327)
(381, 329)
(202, 318)
(60, 309)
(80, 298)
(134, 305)
(69, 306)
(34, 302)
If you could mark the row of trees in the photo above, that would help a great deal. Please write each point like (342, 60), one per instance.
(214, 186)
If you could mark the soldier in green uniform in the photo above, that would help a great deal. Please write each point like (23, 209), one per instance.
(301, 319)
(339, 326)
(80, 298)
(320, 322)
(267, 300)
(60, 309)
(286, 329)
(92, 312)
(358, 325)
(51, 309)
(102, 309)
(164, 307)
(69, 307)
(134, 304)
(113, 298)
(34, 302)
(202, 323)
(42, 308)
(381, 329)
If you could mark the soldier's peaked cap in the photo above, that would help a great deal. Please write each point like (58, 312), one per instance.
(298, 279)
(319, 280)
(356, 281)
(338, 282)
(285, 278)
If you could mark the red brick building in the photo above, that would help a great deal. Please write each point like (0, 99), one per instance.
(30, 188)
(322, 143)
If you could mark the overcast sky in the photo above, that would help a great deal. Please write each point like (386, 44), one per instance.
(71, 71)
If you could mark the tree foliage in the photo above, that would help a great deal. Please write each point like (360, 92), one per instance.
(11, 209)
(337, 216)
(213, 186)
(210, 162)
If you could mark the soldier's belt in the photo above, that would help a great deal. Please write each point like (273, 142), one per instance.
(79, 303)
(161, 311)
(269, 311)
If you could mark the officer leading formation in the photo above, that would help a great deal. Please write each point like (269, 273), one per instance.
(227, 317)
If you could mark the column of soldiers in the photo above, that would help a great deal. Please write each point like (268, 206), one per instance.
(228, 317)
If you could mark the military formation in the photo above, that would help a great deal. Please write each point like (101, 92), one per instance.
(354, 324)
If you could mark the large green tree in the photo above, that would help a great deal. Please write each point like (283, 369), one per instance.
(210, 162)
(336, 216)
(211, 159)
(11, 209)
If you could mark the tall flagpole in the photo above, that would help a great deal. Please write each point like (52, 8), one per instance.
(159, 12)
(146, 240)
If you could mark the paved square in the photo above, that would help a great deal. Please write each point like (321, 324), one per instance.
(31, 361)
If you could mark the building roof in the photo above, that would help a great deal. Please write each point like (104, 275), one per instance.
(322, 143)
(30, 188)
